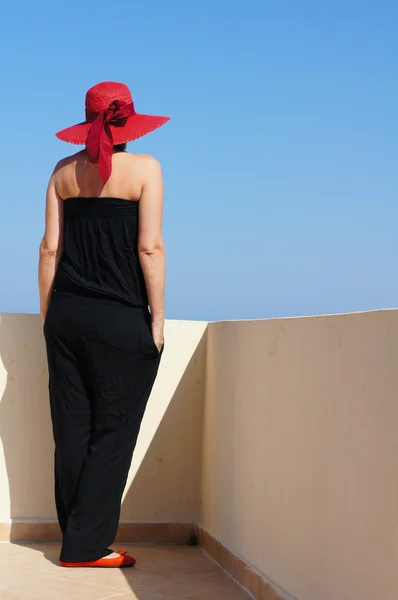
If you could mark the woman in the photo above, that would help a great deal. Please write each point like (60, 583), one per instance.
(101, 264)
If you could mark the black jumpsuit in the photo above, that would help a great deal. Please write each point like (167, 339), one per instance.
(102, 364)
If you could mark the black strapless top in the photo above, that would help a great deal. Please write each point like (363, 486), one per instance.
(100, 255)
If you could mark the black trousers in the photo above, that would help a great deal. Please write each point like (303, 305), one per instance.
(102, 364)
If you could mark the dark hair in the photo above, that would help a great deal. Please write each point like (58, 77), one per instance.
(119, 147)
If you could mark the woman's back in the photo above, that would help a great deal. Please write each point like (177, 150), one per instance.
(101, 228)
(75, 177)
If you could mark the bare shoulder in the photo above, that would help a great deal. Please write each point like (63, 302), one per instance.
(145, 164)
(67, 161)
(65, 171)
(147, 159)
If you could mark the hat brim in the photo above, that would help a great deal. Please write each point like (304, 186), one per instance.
(136, 126)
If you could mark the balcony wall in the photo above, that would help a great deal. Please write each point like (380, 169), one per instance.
(278, 436)
(163, 484)
(300, 457)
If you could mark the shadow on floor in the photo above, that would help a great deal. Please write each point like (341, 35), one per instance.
(161, 573)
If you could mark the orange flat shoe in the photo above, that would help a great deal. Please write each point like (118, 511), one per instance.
(121, 562)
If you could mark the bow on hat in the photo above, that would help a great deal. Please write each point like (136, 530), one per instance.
(99, 142)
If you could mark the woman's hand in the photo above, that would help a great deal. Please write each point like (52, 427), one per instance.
(158, 333)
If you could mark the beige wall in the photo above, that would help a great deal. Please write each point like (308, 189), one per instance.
(300, 457)
(163, 483)
(295, 469)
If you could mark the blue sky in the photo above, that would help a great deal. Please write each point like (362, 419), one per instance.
(280, 158)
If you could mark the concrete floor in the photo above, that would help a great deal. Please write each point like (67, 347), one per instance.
(31, 572)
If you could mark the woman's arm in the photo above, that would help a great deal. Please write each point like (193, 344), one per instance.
(151, 246)
(51, 246)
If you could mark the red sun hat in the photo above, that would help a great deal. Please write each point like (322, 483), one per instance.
(110, 119)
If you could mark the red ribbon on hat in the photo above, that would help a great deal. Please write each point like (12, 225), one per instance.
(99, 144)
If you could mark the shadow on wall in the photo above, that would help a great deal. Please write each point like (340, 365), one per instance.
(163, 485)
(164, 480)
